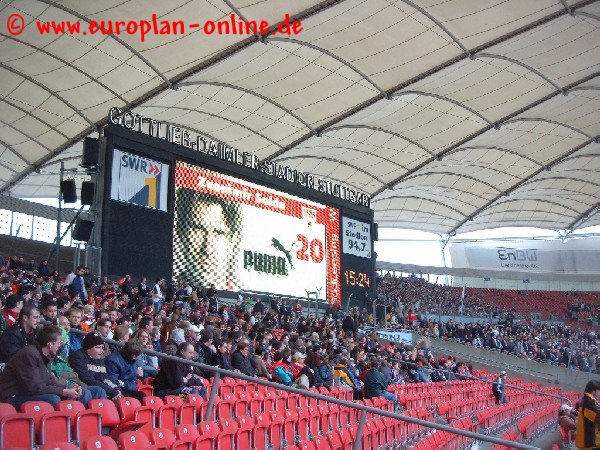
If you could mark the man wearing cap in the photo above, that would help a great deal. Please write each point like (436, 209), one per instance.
(498, 388)
(21, 333)
(88, 363)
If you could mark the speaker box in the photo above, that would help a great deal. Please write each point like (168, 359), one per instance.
(87, 193)
(375, 228)
(82, 231)
(91, 152)
(68, 191)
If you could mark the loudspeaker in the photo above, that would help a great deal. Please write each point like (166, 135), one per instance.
(68, 191)
(87, 193)
(375, 228)
(91, 152)
(82, 231)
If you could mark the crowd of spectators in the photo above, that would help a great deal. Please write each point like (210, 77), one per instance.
(414, 303)
(268, 338)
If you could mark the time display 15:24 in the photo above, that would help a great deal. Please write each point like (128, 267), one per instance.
(359, 279)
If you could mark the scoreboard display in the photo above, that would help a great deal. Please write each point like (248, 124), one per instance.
(240, 235)
(170, 211)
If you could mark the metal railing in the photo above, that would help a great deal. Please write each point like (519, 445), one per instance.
(365, 409)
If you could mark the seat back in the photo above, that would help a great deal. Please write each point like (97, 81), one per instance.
(174, 400)
(87, 423)
(187, 414)
(167, 417)
(6, 409)
(276, 429)
(65, 445)
(226, 438)
(162, 437)
(108, 411)
(187, 432)
(260, 432)
(17, 431)
(99, 443)
(71, 407)
(152, 400)
(55, 427)
(209, 431)
(37, 409)
(133, 440)
(127, 407)
(243, 437)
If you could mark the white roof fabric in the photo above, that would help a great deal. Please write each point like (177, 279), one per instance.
(454, 115)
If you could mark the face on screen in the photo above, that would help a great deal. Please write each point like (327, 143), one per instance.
(211, 235)
(206, 240)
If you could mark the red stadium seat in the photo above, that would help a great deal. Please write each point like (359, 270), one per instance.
(226, 438)
(173, 400)
(208, 434)
(37, 410)
(59, 446)
(162, 437)
(127, 407)
(55, 427)
(260, 432)
(243, 437)
(99, 443)
(17, 431)
(167, 417)
(108, 410)
(133, 440)
(187, 432)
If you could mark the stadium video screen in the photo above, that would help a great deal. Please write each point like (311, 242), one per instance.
(243, 236)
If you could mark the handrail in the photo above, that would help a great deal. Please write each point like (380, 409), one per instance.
(365, 409)
(446, 372)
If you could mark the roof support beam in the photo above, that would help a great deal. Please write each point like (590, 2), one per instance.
(112, 36)
(342, 163)
(66, 63)
(382, 130)
(439, 24)
(441, 97)
(583, 217)
(519, 184)
(255, 94)
(438, 68)
(500, 149)
(49, 91)
(334, 56)
(553, 122)
(422, 199)
(522, 64)
(458, 175)
(217, 117)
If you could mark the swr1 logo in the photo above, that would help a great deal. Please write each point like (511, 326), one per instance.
(517, 255)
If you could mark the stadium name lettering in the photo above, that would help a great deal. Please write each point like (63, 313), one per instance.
(217, 149)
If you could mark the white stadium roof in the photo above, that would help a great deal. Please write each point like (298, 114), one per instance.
(454, 115)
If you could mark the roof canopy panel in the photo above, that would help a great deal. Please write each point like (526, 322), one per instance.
(455, 115)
